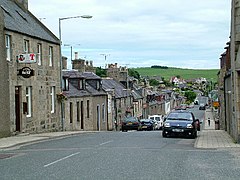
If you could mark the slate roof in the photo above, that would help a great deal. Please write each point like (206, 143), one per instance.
(72, 74)
(90, 75)
(20, 20)
(119, 89)
(135, 95)
(74, 92)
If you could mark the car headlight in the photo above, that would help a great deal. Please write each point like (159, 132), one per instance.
(189, 126)
(167, 125)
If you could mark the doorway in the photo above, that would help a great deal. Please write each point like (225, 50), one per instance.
(17, 108)
(98, 118)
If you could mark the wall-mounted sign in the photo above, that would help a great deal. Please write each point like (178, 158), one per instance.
(26, 72)
(27, 58)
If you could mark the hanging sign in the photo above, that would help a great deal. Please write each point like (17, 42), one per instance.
(26, 72)
(27, 58)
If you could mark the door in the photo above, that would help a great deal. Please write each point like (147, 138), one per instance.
(17, 108)
(98, 117)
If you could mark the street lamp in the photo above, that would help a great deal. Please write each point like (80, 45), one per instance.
(60, 39)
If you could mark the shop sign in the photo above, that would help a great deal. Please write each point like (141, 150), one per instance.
(26, 72)
(27, 58)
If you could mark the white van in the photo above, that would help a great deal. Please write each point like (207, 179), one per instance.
(158, 119)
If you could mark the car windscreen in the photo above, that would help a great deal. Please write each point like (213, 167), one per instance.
(180, 116)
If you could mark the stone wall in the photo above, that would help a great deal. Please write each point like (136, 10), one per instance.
(4, 85)
(45, 77)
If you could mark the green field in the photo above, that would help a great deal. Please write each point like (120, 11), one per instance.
(209, 74)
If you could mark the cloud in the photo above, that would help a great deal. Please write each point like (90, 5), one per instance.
(143, 32)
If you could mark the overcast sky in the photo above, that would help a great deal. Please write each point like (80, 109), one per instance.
(141, 33)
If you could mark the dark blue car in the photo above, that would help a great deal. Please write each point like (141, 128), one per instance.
(181, 123)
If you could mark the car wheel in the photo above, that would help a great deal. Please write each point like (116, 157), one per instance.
(164, 134)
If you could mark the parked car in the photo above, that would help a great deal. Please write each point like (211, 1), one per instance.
(158, 120)
(202, 107)
(147, 124)
(180, 123)
(131, 123)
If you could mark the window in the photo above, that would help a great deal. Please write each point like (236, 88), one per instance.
(26, 46)
(29, 101)
(103, 112)
(8, 47)
(50, 56)
(80, 84)
(88, 109)
(98, 85)
(39, 54)
(65, 84)
(52, 94)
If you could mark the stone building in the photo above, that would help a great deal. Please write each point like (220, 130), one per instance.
(232, 77)
(224, 80)
(120, 74)
(85, 107)
(120, 102)
(82, 65)
(30, 72)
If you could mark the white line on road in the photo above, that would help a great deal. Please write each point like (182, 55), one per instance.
(61, 159)
(105, 143)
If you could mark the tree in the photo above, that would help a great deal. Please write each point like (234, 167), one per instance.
(101, 72)
(190, 95)
(154, 82)
(133, 73)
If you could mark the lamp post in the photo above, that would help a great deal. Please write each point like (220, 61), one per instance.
(60, 39)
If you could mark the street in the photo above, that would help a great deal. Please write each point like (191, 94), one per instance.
(119, 155)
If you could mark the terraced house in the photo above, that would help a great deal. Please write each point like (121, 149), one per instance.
(30, 72)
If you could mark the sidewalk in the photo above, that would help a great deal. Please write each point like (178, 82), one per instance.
(21, 139)
(208, 137)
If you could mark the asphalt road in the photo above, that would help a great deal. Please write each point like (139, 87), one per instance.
(119, 155)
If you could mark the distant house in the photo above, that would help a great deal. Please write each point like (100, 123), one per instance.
(119, 101)
(85, 107)
(29, 78)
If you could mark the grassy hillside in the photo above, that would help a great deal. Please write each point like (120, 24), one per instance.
(209, 74)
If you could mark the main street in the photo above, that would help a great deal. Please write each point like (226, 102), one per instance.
(118, 155)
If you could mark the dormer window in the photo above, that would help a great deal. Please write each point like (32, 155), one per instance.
(65, 84)
(81, 83)
(99, 83)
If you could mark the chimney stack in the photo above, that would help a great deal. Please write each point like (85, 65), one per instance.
(23, 3)
(76, 55)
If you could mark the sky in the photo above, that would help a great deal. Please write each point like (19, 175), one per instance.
(140, 33)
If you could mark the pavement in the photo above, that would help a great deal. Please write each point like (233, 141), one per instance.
(208, 137)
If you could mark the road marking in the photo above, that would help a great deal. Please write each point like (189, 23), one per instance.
(105, 143)
(61, 159)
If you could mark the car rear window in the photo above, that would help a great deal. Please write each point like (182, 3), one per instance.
(132, 119)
